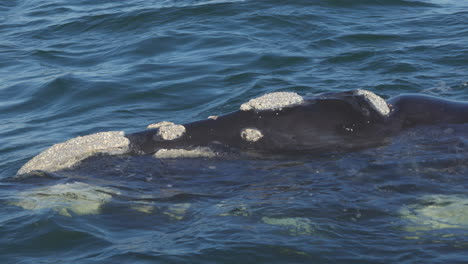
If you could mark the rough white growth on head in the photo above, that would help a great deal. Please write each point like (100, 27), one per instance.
(168, 130)
(273, 101)
(251, 134)
(375, 101)
(77, 198)
(200, 152)
(67, 154)
(160, 124)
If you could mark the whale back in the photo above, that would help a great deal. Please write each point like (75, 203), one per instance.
(414, 109)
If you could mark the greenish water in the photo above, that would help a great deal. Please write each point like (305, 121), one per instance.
(74, 68)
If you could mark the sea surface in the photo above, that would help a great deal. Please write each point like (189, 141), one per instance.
(72, 68)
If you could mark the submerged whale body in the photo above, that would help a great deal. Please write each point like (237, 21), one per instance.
(281, 122)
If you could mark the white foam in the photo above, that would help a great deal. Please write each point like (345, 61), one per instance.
(375, 101)
(273, 101)
(168, 130)
(251, 134)
(66, 199)
(69, 153)
(199, 152)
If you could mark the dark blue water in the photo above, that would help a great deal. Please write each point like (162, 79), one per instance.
(71, 68)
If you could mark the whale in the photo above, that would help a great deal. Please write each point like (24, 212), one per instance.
(279, 122)
(329, 122)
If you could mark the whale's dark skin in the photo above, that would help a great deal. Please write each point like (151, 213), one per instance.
(333, 122)
(414, 110)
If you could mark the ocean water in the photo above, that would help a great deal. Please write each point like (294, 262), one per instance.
(71, 68)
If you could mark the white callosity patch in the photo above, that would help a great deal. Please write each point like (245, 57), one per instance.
(375, 101)
(168, 130)
(251, 134)
(66, 199)
(200, 152)
(273, 101)
(67, 154)
(160, 124)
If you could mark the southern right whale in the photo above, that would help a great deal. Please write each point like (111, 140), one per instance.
(281, 122)
(286, 122)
